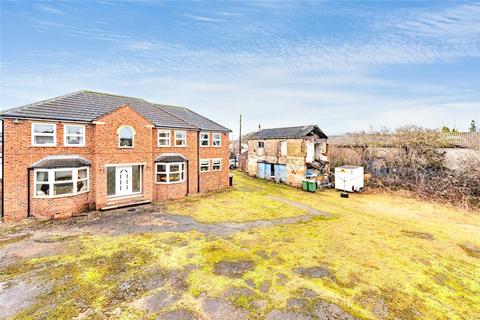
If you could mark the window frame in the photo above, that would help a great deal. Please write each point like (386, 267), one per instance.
(200, 165)
(263, 144)
(182, 171)
(119, 130)
(202, 139)
(163, 138)
(66, 135)
(219, 139)
(219, 160)
(184, 139)
(54, 134)
(51, 182)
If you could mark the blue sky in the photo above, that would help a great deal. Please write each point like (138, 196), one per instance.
(346, 66)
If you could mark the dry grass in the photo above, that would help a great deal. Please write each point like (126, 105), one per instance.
(388, 257)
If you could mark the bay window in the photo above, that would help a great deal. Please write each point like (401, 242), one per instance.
(60, 182)
(43, 134)
(170, 172)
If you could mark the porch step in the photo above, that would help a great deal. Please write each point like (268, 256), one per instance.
(125, 203)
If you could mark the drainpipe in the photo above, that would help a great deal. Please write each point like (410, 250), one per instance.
(28, 194)
(188, 175)
(198, 161)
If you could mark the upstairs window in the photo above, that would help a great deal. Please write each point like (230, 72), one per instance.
(180, 138)
(125, 137)
(216, 139)
(164, 138)
(261, 144)
(204, 139)
(43, 134)
(74, 135)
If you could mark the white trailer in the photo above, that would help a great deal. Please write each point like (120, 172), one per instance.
(349, 178)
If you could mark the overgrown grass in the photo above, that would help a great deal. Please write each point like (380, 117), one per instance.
(388, 257)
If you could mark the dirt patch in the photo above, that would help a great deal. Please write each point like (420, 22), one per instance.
(419, 235)
(20, 295)
(471, 250)
(315, 272)
(156, 301)
(181, 314)
(329, 311)
(287, 315)
(215, 308)
(233, 269)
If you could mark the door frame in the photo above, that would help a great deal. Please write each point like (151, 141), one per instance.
(142, 170)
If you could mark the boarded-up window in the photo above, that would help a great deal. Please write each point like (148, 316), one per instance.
(283, 148)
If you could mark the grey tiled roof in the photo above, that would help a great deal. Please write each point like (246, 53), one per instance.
(61, 162)
(88, 106)
(192, 117)
(288, 133)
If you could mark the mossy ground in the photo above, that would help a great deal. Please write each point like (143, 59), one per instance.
(389, 257)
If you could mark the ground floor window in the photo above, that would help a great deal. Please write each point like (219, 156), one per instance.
(204, 165)
(60, 182)
(170, 172)
(217, 164)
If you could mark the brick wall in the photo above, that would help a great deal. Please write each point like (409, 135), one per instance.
(102, 149)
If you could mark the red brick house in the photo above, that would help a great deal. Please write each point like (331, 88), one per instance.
(88, 150)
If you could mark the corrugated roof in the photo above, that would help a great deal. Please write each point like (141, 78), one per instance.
(61, 162)
(192, 117)
(288, 133)
(88, 106)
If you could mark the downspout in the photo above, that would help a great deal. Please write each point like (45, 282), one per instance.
(188, 175)
(198, 161)
(28, 190)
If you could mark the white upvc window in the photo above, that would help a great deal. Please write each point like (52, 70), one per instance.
(54, 183)
(74, 135)
(170, 172)
(44, 134)
(204, 139)
(126, 137)
(180, 138)
(216, 139)
(217, 165)
(204, 165)
(164, 138)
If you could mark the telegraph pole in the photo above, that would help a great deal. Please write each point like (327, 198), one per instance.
(240, 137)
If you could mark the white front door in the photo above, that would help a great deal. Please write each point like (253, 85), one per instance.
(124, 180)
